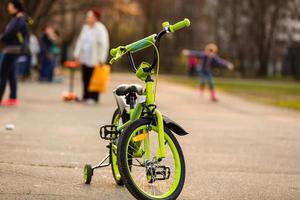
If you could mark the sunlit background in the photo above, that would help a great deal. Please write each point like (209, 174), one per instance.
(260, 37)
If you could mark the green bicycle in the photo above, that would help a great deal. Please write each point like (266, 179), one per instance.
(143, 152)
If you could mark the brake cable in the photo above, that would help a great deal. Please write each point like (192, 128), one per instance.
(157, 66)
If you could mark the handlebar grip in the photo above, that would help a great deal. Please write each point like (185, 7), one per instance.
(141, 44)
(180, 25)
(113, 52)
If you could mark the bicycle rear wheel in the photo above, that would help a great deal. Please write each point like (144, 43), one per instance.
(144, 176)
(117, 121)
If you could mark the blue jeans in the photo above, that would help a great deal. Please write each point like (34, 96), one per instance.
(47, 70)
(8, 73)
(206, 77)
(24, 66)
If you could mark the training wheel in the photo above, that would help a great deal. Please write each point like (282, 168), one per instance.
(87, 174)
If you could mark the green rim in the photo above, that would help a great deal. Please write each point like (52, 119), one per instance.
(85, 173)
(176, 158)
(114, 163)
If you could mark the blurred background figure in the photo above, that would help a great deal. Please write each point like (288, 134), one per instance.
(91, 49)
(23, 66)
(192, 65)
(34, 50)
(209, 59)
(1, 56)
(56, 47)
(48, 53)
(26, 62)
(15, 39)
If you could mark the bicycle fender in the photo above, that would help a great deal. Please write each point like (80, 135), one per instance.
(174, 127)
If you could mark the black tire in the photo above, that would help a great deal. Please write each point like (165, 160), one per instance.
(125, 173)
(87, 174)
(118, 181)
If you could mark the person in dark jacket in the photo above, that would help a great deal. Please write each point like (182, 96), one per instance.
(209, 59)
(15, 39)
(47, 55)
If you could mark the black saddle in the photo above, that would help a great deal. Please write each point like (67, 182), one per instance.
(125, 89)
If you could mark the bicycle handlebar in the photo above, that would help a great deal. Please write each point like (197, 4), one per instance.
(179, 25)
(118, 52)
(151, 40)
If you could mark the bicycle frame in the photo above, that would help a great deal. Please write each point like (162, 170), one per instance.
(131, 140)
(136, 112)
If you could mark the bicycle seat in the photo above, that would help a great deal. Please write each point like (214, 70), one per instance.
(125, 89)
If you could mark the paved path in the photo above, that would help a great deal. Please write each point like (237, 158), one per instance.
(236, 150)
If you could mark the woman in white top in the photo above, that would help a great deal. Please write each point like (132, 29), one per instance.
(91, 49)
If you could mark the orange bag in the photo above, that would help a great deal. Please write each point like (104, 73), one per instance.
(100, 78)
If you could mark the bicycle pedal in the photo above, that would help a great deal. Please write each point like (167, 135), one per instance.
(108, 132)
(162, 173)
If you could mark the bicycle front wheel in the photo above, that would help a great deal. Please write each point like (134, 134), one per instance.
(144, 175)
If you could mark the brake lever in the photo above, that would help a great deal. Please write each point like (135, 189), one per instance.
(117, 54)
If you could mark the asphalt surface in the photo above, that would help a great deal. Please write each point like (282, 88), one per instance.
(236, 150)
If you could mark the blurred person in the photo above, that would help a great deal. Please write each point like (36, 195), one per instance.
(15, 39)
(1, 56)
(192, 65)
(23, 66)
(91, 49)
(26, 62)
(47, 55)
(34, 47)
(209, 59)
(55, 47)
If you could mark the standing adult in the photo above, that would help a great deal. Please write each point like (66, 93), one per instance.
(91, 49)
(15, 39)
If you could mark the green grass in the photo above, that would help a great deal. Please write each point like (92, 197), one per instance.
(273, 92)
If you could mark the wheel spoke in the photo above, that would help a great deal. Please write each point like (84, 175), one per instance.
(149, 175)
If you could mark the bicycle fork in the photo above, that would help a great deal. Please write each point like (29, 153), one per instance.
(161, 153)
(158, 127)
